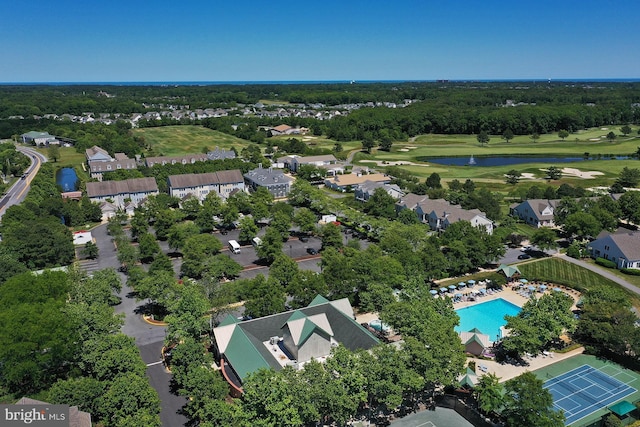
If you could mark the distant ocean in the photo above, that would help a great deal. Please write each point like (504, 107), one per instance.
(303, 82)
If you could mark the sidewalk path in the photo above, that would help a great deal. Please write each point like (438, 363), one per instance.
(602, 272)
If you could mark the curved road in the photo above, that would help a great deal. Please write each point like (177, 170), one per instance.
(18, 191)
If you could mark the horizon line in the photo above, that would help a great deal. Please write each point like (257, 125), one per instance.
(350, 81)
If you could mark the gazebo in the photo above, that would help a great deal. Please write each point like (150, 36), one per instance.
(474, 341)
(509, 271)
(622, 409)
(468, 379)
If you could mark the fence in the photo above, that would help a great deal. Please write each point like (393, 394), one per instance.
(467, 412)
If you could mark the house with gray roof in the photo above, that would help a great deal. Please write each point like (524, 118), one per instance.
(440, 214)
(223, 183)
(221, 154)
(77, 418)
(621, 247)
(119, 193)
(274, 180)
(97, 154)
(291, 339)
(365, 190)
(536, 212)
(97, 168)
(172, 160)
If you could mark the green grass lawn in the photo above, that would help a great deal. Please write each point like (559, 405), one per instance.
(177, 140)
(69, 158)
(634, 280)
(560, 272)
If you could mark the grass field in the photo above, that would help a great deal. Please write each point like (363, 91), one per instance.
(177, 140)
(560, 272)
(634, 280)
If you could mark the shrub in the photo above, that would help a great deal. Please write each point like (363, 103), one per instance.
(631, 271)
(574, 251)
(605, 263)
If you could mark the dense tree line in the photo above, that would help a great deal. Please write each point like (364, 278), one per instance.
(77, 99)
(452, 108)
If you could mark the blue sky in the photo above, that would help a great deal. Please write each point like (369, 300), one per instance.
(283, 40)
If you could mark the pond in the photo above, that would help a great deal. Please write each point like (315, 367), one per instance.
(507, 160)
(67, 179)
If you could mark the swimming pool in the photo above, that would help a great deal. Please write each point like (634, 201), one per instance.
(488, 317)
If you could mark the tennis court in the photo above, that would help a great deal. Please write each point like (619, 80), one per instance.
(585, 390)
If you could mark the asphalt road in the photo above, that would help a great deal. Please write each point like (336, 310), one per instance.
(18, 191)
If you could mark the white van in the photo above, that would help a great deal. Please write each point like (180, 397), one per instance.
(256, 242)
(234, 246)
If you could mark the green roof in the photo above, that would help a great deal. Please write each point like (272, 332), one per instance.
(622, 408)
(296, 315)
(508, 270)
(229, 320)
(307, 330)
(246, 357)
(319, 299)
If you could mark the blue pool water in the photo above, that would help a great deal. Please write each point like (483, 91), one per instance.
(488, 317)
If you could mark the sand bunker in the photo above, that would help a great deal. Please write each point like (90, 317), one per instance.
(525, 175)
(403, 149)
(581, 174)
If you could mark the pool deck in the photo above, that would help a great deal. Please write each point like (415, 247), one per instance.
(506, 372)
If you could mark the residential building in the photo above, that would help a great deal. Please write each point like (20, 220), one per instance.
(621, 247)
(291, 338)
(172, 160)
(274, 180)
(440, 214)
(365, 190)
(77, 418)
(351, 181)
(221, 154)
(121, 162)
(119, 193)
(536, 212)
(223, 183)
(231, 182)
(97, 154)
(410, 201)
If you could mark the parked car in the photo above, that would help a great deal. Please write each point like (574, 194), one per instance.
(524, 256)
(312, 251)
(304, 238)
